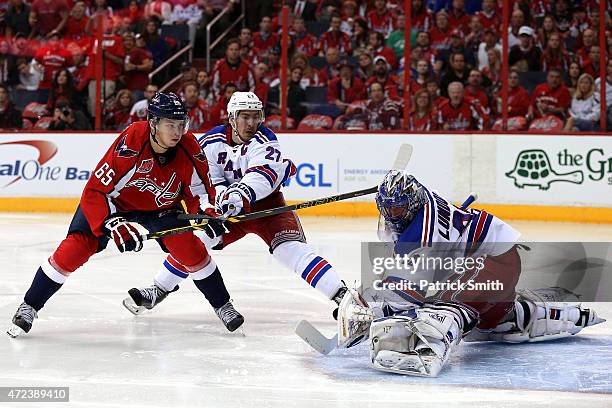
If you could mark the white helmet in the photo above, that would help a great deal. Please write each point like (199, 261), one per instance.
(243, 101)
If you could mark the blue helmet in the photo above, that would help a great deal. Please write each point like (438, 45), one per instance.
(166, 105)
(399, 198)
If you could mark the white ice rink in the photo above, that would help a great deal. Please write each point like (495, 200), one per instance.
(180, 355)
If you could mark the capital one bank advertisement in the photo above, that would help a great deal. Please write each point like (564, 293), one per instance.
(49, 165)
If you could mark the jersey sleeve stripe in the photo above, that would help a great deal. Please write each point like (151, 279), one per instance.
(208, 141)
(485, 229)
(267, 175)
(480, 226)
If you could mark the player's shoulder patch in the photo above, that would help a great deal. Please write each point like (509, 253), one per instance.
(215, 135)
(131, 140)
(265, 135)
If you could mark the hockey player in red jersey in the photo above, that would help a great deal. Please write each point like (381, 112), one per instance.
(139, 184)
(247, 169)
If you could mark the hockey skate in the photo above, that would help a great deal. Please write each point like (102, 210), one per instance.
(22, 321)
(142, 299)
(229, 316)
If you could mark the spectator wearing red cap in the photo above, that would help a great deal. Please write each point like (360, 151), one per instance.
(301, 40)
(383, 77)
(380, 19)
(457, 17)
(422, 116)
(457, 113)
(346, 88)
(525, 56)
(334, 38)
(488, 16)
(265, 40)
(51, 16)
(232, 69)
(421, 17)
(441, 33)
(550, 98)
(555, 56)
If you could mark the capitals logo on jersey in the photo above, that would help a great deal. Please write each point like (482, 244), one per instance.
(124, 151)
(163, 194)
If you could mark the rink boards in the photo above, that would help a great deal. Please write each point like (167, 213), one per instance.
(543, 177)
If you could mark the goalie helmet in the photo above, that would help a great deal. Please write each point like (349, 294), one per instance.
(241, 101)
(399, 198)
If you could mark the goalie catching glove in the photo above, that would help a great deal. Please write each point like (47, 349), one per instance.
(354, 319)
(125, 234)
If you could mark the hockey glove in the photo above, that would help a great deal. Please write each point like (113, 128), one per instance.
(235, 200)
(215, 227)
(124, 233)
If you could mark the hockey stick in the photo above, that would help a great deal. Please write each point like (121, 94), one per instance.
(174, 231)
(305, 330)
(324, 345)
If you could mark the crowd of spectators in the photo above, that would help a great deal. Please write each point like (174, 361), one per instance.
(345, 68)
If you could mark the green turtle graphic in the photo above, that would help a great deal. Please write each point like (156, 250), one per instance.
(532, 168)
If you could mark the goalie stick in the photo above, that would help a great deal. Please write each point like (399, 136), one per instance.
(324, 345)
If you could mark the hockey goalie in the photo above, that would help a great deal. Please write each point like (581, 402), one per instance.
(415, 333)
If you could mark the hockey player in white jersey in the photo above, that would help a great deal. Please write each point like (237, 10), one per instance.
(418, 336)
(247, 169)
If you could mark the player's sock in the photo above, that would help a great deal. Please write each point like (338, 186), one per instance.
(171, 274)
(210, 282)
(46, 282)
(314, 269)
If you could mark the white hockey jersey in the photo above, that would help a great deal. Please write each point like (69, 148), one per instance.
(439, 221)
(258, 164)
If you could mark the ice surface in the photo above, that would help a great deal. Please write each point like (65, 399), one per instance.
(179, 355)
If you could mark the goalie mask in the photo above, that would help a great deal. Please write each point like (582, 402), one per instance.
(399, 198)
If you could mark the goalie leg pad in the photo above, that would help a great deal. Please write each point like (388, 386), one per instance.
(419, 341)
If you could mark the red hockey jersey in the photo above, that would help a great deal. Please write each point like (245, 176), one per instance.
(132, 177)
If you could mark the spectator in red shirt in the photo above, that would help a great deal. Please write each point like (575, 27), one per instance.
(376, 46)
(429, 53)
(77, 22)
(422, 117)
(52, 58)
(196, 107)
(494, 68)
(554, 55)
(138, 63)
(265, 40)
(420, 16)
(434, 91)
(51, 16)
(457, 17)
(518, 98)
(382, 76)
(380, 19)
(332, 66)
(588, 40)
(218, 112)
(301, 40)
(591, 64)
(232, 69)
(113, 56)
(158, 9)
(550, 98)
(261, 89)
(422, 76)
(441, 33)
(334, 38)
(384, 113)
(139, 110)
(457, 113)
(346, 88)
(488, 16)
(118, 117)
(475, 93)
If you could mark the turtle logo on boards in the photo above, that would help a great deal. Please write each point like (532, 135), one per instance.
(532, 168)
